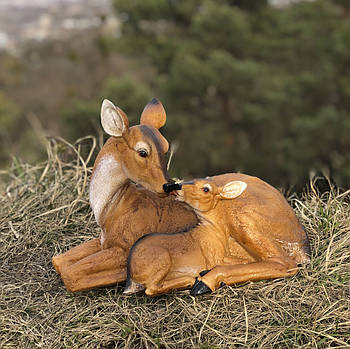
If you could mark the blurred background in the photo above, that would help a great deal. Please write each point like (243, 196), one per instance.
(257, 86)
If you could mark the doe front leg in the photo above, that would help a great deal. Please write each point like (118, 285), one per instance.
(103, 268)
(234, 274)
(168, 285)
(76, 253)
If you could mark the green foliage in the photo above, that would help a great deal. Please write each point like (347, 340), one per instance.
(249, 86)
(9, 115)
(128, 93)
(9, 124)
(82, 117)
(16, 134)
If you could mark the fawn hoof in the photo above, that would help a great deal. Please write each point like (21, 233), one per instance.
(203, 272)
(199, 288)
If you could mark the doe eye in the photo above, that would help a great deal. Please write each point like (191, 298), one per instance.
(205, 189)
(143, 153)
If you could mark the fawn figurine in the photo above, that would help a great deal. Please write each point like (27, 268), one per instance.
(247, 232)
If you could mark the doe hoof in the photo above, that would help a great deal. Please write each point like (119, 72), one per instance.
(199, 288)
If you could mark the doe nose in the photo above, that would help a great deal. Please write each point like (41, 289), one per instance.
(169, 187)
(177, 186)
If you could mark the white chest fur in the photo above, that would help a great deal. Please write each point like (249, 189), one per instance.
(107, 178)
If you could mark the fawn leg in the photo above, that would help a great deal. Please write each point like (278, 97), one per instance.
(231, 274)
(272, 263)
(76, 253)
(166, 286)
(232, 260)
(200, 288)
(103, 268)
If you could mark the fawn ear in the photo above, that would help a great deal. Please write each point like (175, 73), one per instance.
(233, 189)
(154, 114)
(114, 121)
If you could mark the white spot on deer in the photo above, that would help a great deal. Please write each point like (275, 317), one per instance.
(107, 178)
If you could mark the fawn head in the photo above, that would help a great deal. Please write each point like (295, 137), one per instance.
(204, 194)
(139, 149)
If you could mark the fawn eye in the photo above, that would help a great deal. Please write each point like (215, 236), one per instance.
(206, 188)
(143, 153)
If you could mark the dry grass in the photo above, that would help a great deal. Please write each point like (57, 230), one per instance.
(45, 211)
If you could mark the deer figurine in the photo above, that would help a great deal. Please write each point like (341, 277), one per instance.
(246, 232)
(128, 196)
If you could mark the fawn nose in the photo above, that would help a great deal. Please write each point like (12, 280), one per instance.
(169, 187)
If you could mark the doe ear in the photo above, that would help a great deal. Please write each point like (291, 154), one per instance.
(233, 189)
(114, 121)
(153, 114)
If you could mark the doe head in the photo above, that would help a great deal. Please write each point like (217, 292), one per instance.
(139, 149)
(204, 194)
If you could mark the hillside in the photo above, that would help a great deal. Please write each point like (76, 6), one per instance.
(45, 211)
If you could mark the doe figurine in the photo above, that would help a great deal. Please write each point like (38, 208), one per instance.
(129, 197)
(247, 232)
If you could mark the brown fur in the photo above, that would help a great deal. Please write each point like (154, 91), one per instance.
(249, 237)
(124, 210)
